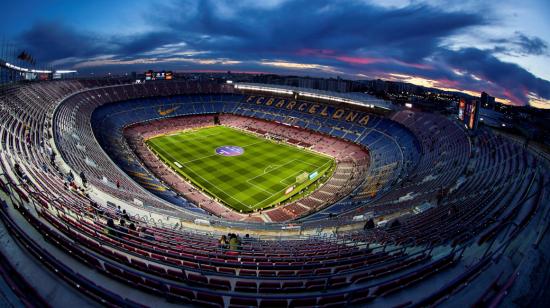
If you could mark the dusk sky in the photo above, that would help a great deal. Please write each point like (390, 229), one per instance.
(500, 47)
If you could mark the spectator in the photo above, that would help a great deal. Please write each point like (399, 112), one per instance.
(90, 208)
(223, 242)
(20, 174)
(369, 225)
(111, 227)
(83, 178)
(144, 233)
(234, 242)
(122, 227)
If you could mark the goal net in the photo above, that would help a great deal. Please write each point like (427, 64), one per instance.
(302, 177)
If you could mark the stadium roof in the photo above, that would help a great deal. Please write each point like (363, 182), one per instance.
(354, 98)
(23, 69)
(32, 70)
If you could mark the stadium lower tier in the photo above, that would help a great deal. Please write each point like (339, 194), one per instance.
(109, 121)
(430, 215)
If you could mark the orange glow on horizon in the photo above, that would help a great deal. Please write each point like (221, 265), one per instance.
(534, 100)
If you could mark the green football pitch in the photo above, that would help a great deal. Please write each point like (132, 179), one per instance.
(244, 171)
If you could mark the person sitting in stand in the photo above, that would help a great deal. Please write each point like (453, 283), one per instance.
(234, 242)
(110, 227)
(125, 215)
(223, 241)
(122, 227)
(70, 176)
(83, 178)
(144, 233)
(20, 174)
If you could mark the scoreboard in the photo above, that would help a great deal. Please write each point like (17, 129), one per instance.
(161, 75)
(461, 107)
(468, 113)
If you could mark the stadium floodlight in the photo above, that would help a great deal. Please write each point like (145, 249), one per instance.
(337, 99)
(65, 71)
(262, 89)
(26, 70)
(15, 67)
(341, 98)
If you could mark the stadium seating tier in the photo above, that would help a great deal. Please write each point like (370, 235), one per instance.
(424, 220)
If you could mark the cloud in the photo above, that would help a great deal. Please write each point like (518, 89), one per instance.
(326, 38)
(521, 45)
(300, 66)
(108, 61)
(531, 45)
(507, 79)
(135, 44)
(409, 33)
(49, 41)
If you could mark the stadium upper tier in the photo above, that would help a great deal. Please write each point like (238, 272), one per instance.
(351, 99)
(417, 212)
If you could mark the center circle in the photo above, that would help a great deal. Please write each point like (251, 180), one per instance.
(229, 150)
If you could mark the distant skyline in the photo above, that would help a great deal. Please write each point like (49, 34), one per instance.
(500, 47)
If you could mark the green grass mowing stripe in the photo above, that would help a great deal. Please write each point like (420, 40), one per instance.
(205, 183)
(227, 178)
(281, 197)
(209, 187)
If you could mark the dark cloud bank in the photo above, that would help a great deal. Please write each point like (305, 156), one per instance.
(351, 37)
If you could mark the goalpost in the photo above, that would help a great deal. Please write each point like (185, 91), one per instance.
(302, 177)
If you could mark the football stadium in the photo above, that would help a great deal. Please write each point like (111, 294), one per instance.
(145, 175)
